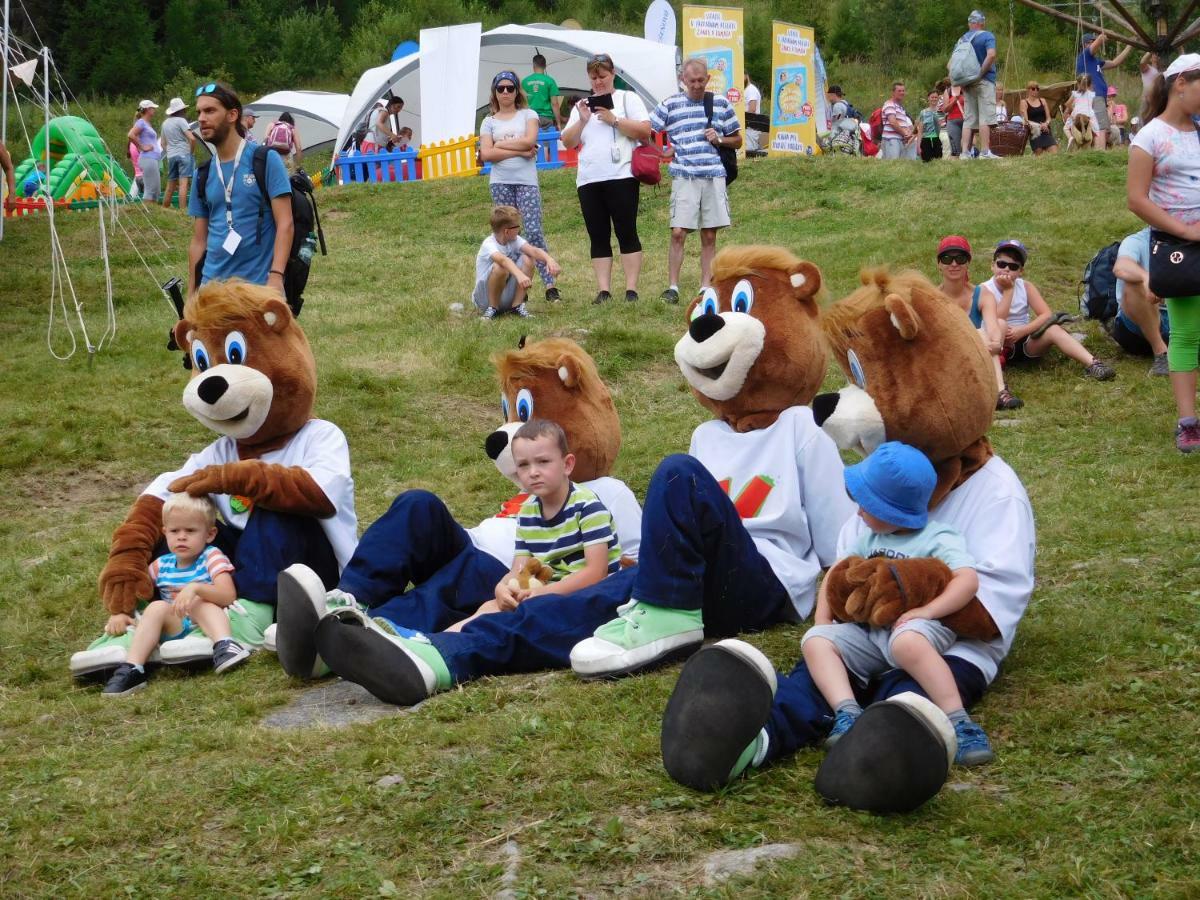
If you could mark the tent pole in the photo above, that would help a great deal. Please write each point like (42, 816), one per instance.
(4, 100)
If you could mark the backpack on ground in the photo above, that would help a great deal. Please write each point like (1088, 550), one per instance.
(1099, 297)
(306, 222)
(875, 123)
(964, 63)
(281, 137)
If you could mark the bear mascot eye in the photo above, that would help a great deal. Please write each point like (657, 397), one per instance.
(856, 369)
(235, 348)
(709, 304)
(504, 406)
(743, 296)
(524, 405)
(200, 354)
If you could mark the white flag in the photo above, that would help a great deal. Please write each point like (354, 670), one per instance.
(25, 71)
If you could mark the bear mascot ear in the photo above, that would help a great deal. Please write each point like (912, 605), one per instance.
(568, 371)
(183, 335)
(806, 284)
(904, 317)
(276, 316)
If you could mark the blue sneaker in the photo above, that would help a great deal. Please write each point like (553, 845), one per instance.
(974, 748)
(842, 723)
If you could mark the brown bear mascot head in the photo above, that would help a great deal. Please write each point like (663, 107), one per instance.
(753, 346)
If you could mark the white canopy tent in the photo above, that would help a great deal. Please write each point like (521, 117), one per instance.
(318, 115)
(648, 68)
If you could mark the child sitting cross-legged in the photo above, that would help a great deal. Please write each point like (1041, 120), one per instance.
(892, 488)
(504, 266)
(194, 583)
(562, 525)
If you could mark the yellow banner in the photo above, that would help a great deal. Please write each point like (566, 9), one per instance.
(793, 90)
(717, 35)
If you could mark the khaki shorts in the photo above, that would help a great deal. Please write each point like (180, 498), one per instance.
(699, 203)
(1100, 108)
(979, 104)
(867, 652)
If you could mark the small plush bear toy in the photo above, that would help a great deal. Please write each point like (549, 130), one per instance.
(534, 574)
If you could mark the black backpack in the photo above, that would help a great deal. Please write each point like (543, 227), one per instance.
(306, 222)
(728, 154)
(1099, 297)
(851, 112)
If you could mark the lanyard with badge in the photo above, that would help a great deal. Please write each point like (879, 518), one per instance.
(232, 239)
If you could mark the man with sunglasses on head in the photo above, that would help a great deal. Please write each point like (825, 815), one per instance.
(237, 234)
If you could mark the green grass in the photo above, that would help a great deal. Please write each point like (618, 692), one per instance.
(181, 792)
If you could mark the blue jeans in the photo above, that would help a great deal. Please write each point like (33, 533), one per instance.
(417, 542)
(800, 717)
(270, 542)
(695, 554)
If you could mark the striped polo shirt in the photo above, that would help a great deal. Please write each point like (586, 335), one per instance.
(684, 122)
(894, 111)
(169, 578)
(560, 542)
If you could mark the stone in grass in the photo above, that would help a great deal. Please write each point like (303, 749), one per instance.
(331, 704)
(456, 308)
(729, 863)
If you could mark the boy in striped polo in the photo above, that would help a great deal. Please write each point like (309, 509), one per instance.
(562, 525)
(194, 583)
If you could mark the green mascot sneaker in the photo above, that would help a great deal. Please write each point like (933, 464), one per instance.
(713, 726)
(247, 622)
(395, 664)
(641, 637)
(103, 655)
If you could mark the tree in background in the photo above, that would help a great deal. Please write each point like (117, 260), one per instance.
(107, 47)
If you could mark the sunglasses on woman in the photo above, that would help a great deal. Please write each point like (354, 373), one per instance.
(506, 89)
(601, 58)
(1008, 264)
(950, 259)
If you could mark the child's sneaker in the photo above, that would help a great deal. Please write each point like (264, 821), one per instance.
(552, 295)
(601, 297)
(523, 311)
(125, 680)
(974, 748)
(1006, 399)
(490, 313)
(228, 653)
(843, 721)
(631, 296)
(1187, 436)
(1100, 370)
(987, 154)
(1160, 367)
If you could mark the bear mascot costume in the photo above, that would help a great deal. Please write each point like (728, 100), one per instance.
(279, 478)
(733, 534)
(453, 570)
(919, 374)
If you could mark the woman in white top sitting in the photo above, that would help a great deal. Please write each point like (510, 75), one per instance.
(605, 127)
(1019, 319)
(1080, 122)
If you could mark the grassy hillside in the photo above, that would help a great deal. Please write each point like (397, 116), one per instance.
(181, 791)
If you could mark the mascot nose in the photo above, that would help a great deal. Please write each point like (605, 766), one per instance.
(823, 406)
(705, 326)
(212, 389)
(495, 444)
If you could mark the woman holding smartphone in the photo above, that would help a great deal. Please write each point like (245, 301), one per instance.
(606, 126)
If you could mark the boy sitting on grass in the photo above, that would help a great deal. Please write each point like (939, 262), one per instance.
(562, 525)
(892, 488)
(194, 582)
(504, 266)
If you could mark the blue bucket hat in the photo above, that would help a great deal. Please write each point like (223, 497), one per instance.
(894, 484)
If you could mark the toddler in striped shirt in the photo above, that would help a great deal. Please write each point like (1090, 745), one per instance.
(563, 525)
(194, 582)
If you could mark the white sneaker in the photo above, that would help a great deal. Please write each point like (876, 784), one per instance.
(988, 155)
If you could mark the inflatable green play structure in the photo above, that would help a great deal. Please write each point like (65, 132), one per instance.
(80, 165)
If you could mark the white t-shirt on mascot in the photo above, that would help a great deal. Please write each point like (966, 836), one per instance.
(788, 485)
(320, 448)
(992, 511)
(497, 536)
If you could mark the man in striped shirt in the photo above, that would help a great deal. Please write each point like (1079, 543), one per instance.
(899, 136)
(698, 196)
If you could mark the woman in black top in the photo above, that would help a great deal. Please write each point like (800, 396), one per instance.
(1034, 111)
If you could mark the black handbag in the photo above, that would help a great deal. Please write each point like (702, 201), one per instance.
(728, 154)
(1174, 265)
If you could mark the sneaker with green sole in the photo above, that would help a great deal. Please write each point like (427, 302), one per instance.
(641, 637)
(395, 664)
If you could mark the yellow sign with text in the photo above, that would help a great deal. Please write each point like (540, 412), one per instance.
(717, 35)
(793, 86)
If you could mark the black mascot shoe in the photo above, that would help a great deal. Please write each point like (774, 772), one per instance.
(378, 661)
(299, 596)
(894, 758)
(720, 704)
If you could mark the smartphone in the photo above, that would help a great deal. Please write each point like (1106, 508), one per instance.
(600, 101)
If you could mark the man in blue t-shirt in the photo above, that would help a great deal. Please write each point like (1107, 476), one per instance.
(979, 97)
(698, 193)
(236, 232)
(1089, 63)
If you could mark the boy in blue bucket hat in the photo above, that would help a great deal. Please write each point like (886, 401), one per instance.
(892, 487)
